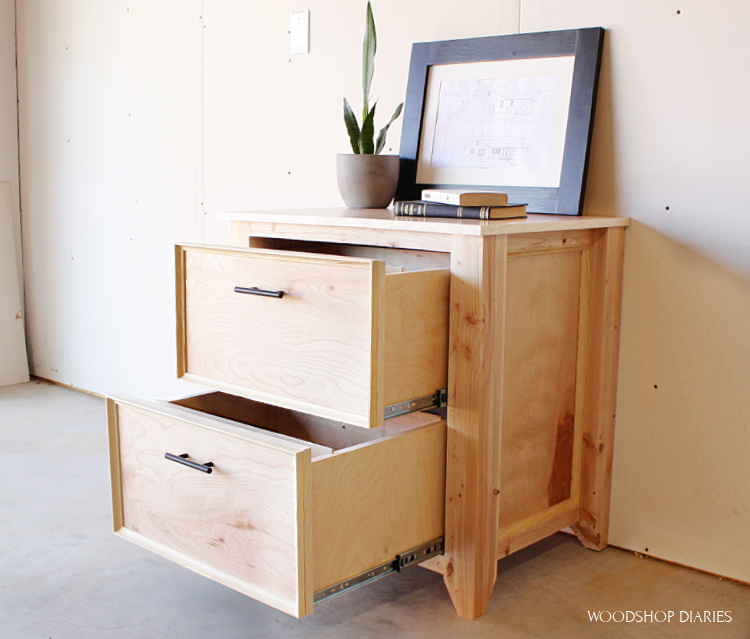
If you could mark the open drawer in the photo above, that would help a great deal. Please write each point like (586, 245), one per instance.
(335, 336)
(289, 510)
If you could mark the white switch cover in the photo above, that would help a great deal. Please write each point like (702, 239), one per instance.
(299, 32)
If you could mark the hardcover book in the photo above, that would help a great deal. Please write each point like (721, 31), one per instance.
(460, 197)
(420, 208)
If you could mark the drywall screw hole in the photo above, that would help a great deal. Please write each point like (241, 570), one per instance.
(666, 208)
(679, 12)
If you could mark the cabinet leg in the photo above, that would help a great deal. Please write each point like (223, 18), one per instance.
(478, 268)
(604, 273)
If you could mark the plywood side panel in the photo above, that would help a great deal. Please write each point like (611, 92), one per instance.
(375, 501)
(9, 128)
(14, 367)
(416, 334)
(539, 383)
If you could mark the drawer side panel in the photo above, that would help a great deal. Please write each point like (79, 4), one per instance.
(416, 334)
(376, 500)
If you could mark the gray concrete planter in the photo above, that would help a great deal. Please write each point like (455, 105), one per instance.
(367, 181)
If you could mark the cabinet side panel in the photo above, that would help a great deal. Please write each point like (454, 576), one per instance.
(539, 383)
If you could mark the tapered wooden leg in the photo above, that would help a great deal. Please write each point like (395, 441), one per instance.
(478, 268)
(603, 275)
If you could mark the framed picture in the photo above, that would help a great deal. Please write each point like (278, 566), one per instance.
(503, 113)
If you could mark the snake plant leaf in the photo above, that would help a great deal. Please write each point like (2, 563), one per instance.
(352, 126)
(381, 136)
(367, 136)
(369, 46)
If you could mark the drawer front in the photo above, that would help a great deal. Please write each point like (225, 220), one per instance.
(244, 524)
(316, 346)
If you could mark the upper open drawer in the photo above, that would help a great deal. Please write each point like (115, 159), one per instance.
(334, 336)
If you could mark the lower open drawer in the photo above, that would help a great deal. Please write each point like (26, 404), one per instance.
(282, 506)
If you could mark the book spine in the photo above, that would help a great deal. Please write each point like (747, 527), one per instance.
(432, 209)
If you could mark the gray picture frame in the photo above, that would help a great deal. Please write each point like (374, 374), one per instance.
(584, 45)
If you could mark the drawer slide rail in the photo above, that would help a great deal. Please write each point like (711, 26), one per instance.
(401, 562)
(438, 399)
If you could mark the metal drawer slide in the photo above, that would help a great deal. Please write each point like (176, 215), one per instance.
(404, 560)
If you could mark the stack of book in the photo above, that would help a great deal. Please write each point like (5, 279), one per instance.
(471, 205)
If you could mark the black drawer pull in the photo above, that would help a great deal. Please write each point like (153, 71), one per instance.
(183, 459)
(258, 291)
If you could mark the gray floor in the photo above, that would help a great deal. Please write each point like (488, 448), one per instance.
(63, 575)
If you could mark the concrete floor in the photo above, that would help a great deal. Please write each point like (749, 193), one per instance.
(64, 575)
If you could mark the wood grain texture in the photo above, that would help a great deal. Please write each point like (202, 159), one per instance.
(416, 334)
(524, 533)
(603, 282)
(180, 311)
(317, 431)
(376, 500)
(550, 241)
(345, 340)
(115, 471)
(539, 384)
(364, 226)
(538, 526)
(245, 520)
(403, 259)
(340, 235)
(475, 474)
(313, 348)
(478, 278)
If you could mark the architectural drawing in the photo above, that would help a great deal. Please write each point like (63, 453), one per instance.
(497, 123)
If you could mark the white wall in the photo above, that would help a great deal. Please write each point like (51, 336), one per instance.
(112, 176)
(112, 166)
(275, 123)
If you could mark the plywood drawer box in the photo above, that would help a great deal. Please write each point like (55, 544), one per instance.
(335, 336)
(284, 510)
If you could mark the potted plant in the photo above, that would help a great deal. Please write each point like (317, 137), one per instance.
(366, 178)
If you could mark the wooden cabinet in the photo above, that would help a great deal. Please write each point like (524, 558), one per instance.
(369, 316)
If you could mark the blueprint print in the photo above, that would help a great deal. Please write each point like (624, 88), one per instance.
(496, 123)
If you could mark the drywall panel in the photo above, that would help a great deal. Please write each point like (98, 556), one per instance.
(9, 124)
(111, 168)
(670, 151)
(274, 121)
(14, 367)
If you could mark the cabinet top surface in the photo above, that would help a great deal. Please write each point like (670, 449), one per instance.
(386, 219)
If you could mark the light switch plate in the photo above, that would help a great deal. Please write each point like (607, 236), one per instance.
(299, 32)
